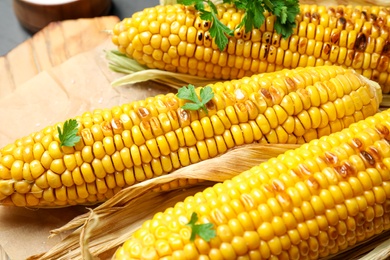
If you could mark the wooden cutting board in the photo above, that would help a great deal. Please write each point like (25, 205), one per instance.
(50, 47)
(57, 74)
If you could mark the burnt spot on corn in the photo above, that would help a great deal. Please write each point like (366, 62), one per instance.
(375, 75)
(382, 130)
(380, 21)
(340, 11)
(364, 14)
(278, 185)
(106, 126)
(350, 25)
(341, 23)
(350, 54)
(331, 10)
(248, 201)
(302, 43)
(313, 184)
(315, 16)
(345, 169)
(374, 153)
(86, 134)
(172, 103)
(183, 115)
(331, 158)
(303, 170)
(117, 125)
(211, 105)
(247, 36)
(361, 42)
(358, 58)
(154, 123)
(360, 219)
(327, 48)
(207, 36)
(383, 63)
(335, 37)
(265, 93)
(229, 97)
(143, 112)
(268, 188)
(386, 206)
(200, 36)
(386, 49)
(237, 33)
(290, 83)
(367, 157)
(373, 18)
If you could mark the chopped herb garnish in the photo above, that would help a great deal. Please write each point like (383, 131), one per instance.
(68, 135)
(189, 93)
(205, 231)
(285, 12)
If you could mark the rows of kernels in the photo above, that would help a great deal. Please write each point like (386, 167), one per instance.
(352, 37)
(148, 138)
(323, 212)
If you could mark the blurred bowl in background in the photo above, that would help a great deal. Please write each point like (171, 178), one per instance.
(36, 14)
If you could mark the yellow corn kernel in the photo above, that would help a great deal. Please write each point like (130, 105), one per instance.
(137, 141)
(322, 215)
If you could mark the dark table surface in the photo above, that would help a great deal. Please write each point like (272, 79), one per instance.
(12, 33)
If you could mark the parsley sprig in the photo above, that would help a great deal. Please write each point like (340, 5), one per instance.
(68, 135)
(189, 93)
(285, 12)
(205, 231)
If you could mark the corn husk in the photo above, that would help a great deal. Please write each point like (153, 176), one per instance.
(135, 73)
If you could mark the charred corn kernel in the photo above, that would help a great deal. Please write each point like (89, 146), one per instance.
(322, 36)
(301, 105)
(333, 207)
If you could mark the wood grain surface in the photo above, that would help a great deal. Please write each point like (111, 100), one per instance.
(50, 47)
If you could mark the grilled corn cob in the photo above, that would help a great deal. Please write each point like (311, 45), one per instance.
(174, 38)
(325, 196)
(144, 139)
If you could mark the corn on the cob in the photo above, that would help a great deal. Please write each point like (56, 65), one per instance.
(144, 139)
(315, 201)
(174, 38)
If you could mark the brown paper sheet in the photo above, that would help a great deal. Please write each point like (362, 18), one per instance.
(79, 84)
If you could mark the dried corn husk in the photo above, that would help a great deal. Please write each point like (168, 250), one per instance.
(136, 73)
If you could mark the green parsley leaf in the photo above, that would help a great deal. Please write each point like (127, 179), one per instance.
(258, 15)
(219, 32)
(268, 5)
(205, 15)
(189, 93)
(68, 135)
(188, 2)
(285, 12)
(205, 231)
